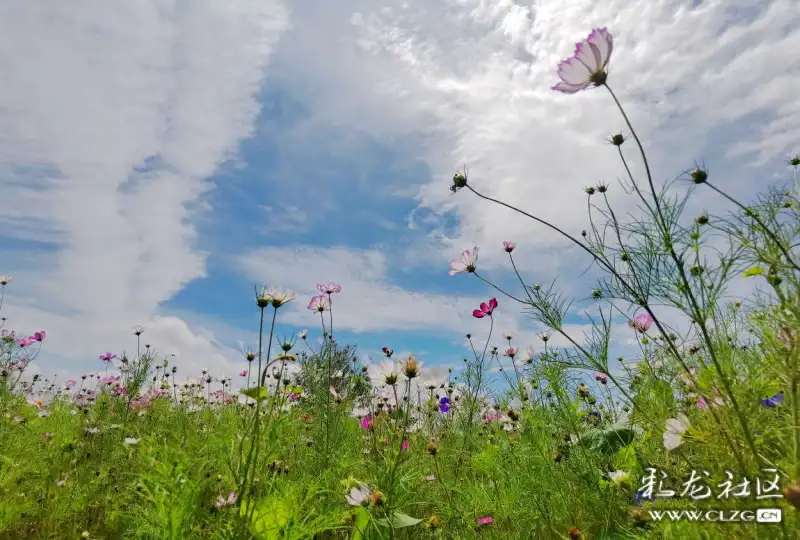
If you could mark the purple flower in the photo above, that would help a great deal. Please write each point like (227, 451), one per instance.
(108, 357)
(587, 67)
(444, 404)
(772, 401)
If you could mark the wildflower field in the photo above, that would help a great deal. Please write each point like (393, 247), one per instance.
(695, 437)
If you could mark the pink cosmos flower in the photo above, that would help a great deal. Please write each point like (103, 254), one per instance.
(509, 246)
(25, 342)
(367, 422)
(71, 383)
(109, 380)
(486, 520)
(120, 391)
(108, 357)
(404, 446)
(587, 67)
(642, 322)
(330, 288)
(511, 352)
(485, 309)
(600, 377)
(243, 373)
(38, 336)
(319, 303)
(467, 264)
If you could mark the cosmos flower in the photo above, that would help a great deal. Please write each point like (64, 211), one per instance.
(676, 427)
(358, 495)
(587, 66)
(319, 303)
(485, 309)
(600, 377)
(330, 288)
(302, 334)
(243, 373)
(509, 246)
(467, 264)
(641, 323)
(486, 520)
(229, 501)
(38, 336)
(108, 357)
(367, 422)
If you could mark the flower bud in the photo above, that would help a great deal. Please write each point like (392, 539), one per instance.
(698, 176)
(617, 139)
(376, 498)
(701, 220)
(410, 368)
(432, 448)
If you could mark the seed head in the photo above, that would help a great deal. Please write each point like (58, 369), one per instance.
(589, 190)
(701, 220)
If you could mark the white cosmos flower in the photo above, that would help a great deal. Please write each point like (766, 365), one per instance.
(467, 264)
(358, 495)
(618, 477)
(676, 427)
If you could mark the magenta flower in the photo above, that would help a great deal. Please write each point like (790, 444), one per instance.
(467, 264)
(71, 383)
(509, 246)
(25, 342)
(38, 336)
(120, 391)
(642, 322)
(367, 422)
(486, 520)
(243, 373)
(330, 288)
(319, 303)
(108, 357)
(485, 309)
(600, 377)
(404, 446)
(587, 67)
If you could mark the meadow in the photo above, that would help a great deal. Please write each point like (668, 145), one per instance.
(688, 439)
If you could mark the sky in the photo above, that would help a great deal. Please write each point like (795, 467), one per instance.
(160, 158)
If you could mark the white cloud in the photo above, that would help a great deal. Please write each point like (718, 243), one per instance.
(470, 80)
(114, 118)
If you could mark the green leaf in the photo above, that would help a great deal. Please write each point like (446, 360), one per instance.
(608, 440)
(362, 517)
(625, 459)
(399, 520)
(256, 392)
(754, 271)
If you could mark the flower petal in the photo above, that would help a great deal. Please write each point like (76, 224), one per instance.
(586, 56)
(573, 72)
(569, 88)
(604, 41)
(478, 314)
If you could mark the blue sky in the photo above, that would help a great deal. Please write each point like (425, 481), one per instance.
(157, 171)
